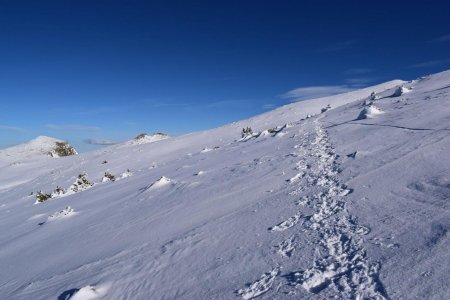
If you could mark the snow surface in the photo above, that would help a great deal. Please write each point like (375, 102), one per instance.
(38, 147)
(329, 206)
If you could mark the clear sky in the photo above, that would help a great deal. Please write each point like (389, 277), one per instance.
(96, 71)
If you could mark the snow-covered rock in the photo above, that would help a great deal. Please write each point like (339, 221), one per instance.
(369, 112)
(400, 91)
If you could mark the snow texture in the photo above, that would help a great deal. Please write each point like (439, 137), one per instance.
(314, 204)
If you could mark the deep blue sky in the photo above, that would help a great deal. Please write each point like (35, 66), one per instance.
(108, 70)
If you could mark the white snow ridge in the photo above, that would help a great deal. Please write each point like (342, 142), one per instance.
(347, 202)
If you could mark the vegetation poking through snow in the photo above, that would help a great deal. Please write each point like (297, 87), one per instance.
(246, 131)
(82, 183)
(59, 191)
(42, 197)
(62, 149)
(104, 162)
(63, 213)
(108, 177)
(126, 174)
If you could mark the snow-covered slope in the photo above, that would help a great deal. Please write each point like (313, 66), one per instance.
(326, 206)
(41, 146)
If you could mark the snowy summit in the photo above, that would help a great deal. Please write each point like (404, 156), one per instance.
(38, 147)
(340, 197)
(145, 138)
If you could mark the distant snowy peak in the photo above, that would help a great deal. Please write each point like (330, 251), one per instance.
(40, 146)
(145, 138)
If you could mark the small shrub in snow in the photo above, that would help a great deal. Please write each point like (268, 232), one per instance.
(81, 183)
(216, 148)
(64, 149)
(42, 197)
(126, 174)
(246, 131)
(63, 213)
(104, 162)
(59, 191)
(108, 177)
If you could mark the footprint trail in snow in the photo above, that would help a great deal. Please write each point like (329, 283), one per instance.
(340, 266)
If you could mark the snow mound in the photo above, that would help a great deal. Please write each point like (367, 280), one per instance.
(161, 182)
(145, 138)
(126, 174)
(89, 293)
(66, 212)
(369, 112)
(39, 147)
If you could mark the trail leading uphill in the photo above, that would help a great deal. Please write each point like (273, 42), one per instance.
(340, 259)
(322, 219)
(310, 203)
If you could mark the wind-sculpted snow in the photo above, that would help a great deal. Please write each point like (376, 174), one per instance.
(313, 204)
(260, 286)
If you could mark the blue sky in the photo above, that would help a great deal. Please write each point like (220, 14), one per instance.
(93, 72)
